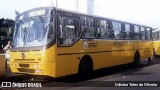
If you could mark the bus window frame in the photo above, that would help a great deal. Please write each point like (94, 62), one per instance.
(131, 37)
(137, 32)
(157, 34)
(69, 15)
(150, 33)
(144, 33)
(114, 29)
(94, 26)
(107, 28)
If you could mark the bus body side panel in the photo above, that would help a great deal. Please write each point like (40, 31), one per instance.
(147, 49)
(68, 58)
(117, 52)
(129, 51)
(107, 53)
(157, 47)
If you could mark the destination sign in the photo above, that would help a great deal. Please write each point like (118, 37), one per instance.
(34, 13)
(37, 13)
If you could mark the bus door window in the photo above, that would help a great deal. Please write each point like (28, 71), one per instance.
(51, 33)
(127, 31)
(117, 30)
(103, 30)
(136, 32)
(68, 30)
(88, 27)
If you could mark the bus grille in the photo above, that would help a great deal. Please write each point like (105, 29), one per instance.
(26, 70)
(24, 65)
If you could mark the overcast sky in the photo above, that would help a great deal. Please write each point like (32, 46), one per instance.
(146, 12)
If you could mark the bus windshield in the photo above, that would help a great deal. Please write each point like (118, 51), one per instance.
(31, 32)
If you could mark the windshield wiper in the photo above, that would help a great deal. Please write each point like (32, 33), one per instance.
(46, 29)
(42, 20)
(25, 33)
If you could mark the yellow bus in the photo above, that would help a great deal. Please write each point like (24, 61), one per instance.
(55, 42)
(156, 40)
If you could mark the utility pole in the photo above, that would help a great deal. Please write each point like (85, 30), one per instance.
(77, 4)
(54, 3)
(90, 7)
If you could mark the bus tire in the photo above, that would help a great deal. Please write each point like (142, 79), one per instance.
(136, 58)
(149, 60)
(85, 67)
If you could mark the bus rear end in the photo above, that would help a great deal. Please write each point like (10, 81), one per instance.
(156, 41)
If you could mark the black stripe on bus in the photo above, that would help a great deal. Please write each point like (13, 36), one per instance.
(100, 51)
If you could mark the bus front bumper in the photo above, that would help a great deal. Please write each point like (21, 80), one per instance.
(34, 68)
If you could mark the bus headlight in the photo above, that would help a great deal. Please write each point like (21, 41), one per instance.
(38, 71)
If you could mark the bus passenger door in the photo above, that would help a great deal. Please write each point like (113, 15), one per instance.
(68, 42)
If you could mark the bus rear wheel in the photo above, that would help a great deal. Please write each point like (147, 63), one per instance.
(136, 59)
(85, 68)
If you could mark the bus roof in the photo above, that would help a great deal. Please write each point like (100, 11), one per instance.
(80, 13)
(97, 16)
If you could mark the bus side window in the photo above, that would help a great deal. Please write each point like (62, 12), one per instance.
(157, 35)
(68, 31)
(103, 31)
(143, 32)
(127, 31)
(136, 32)
(154, 35)
(110, 28)
(118, 34)
(148, 34)
(88, 27)
(151, 34)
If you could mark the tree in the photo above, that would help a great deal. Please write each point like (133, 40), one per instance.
(5, 26)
